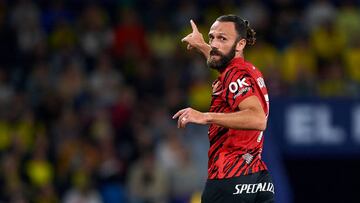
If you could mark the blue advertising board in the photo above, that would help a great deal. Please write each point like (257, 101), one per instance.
(315, 126)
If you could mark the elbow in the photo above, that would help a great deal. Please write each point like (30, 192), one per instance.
(260, 123)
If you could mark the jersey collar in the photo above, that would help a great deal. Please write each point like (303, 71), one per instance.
(236, 60)
(233, 63)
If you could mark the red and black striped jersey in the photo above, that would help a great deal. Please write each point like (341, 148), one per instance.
(233, 152)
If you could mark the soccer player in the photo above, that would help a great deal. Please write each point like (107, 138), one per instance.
(237, 116)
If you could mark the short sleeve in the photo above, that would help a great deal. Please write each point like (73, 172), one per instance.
(238, 86)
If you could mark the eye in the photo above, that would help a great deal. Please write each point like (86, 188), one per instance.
(211, 38)
(222, 38)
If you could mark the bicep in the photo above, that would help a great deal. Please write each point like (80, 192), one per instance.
(252, 103)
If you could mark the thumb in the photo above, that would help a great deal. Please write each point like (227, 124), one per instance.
(185, 39)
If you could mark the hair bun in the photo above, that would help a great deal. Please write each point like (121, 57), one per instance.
(250, 34)
(246, 23)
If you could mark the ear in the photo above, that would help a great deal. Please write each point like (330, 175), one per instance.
(241, 45)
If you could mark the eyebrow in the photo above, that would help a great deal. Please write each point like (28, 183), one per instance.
(220, 33)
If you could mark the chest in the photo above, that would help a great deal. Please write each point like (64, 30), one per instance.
(218, 102)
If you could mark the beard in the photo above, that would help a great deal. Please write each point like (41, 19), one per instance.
(223, 61)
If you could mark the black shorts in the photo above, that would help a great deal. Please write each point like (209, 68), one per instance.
(253, 188)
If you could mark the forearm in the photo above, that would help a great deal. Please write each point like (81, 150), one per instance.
(245, 120)
(205, 50)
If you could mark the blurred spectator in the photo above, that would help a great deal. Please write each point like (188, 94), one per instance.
(331, 83)
(111, 172)
(30, 33)
(167, 153)
(256, 13)
(12, 182)
(47, 194)
(38, 168)
(160, 122)
(63, 36)
(347, 19)
(318, 12)
(147, 182)
(352, 70)
(287, 24)
(264, 56)
(6, 90)
(67, 158)
(199, 90)
(111, 167)
(102, 128)
(24, 11)
(147, 80)
(123, 108)
(105, 82)
(328, 42)
(184, 178)
(95, 34)
(26, 130)
(39, 82)
(129, 36)
(82, 190)
(5, 134)
(299, 67)
(71, 82)
(162, 41)
(200, 94)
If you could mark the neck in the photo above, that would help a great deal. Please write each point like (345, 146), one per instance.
(239, 54)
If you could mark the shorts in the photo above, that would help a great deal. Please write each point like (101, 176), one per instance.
(252, 188)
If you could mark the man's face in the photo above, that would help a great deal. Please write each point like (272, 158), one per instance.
(222, 40)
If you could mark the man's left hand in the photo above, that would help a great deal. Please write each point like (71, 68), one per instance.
(190, 115)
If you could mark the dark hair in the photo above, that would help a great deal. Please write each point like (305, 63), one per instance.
(242, 28)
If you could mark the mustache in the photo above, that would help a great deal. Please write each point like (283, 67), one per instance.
(215, 52)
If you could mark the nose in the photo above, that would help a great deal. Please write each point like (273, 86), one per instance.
(214, 44)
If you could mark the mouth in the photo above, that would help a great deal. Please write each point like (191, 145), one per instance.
(214, 53)
(215, 56)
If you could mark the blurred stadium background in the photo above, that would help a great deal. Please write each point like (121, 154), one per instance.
(87, 90)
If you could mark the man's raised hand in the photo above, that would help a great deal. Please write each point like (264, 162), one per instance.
(194, 39)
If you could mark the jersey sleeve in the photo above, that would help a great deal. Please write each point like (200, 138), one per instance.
(238, 86)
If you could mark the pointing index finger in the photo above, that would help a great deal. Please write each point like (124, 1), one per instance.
(193, 25)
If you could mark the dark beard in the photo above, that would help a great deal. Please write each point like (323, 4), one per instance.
(224, 60)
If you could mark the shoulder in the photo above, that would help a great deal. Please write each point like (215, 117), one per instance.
(236, 72)
(252, 68)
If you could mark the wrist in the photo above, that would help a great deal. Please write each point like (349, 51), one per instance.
(208, 118)
(205, 49)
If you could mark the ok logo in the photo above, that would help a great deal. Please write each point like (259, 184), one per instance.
(234, 86)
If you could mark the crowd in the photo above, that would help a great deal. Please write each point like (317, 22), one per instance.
(87, 89)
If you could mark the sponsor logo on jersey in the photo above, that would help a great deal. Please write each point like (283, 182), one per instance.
(248, 158)
(216, 88)
(261, 82)
(234, 86)
(243, 91)
(253, 188)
